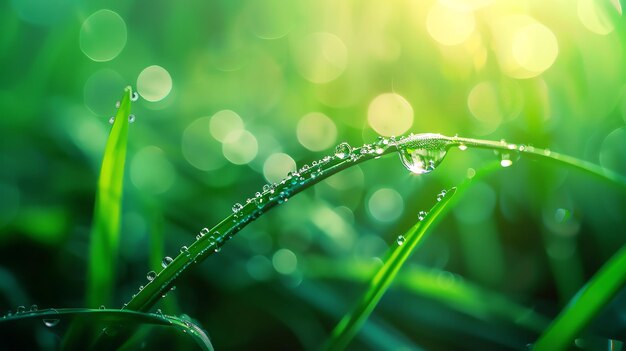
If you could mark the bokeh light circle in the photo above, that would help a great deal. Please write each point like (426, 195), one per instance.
(154, 83)
(449, 25)
(535, 47)
(240, 147)
(385, 205)
(151, 171)
(316, 131)
(594, 17)
(103, 35)
(285, 261)
(390, 114)
(225, 122)
(321, 57)
(199, 148)
(276, 167)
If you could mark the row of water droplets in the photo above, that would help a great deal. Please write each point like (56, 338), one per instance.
(50, 316)
(507, 152)
(131, 117)
(421, 215)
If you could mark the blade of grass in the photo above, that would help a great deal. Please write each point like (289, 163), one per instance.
(585, 305)
(105, 229)
(351, 323)
(111, 320)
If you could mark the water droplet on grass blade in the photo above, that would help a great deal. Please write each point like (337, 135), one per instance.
(21, 309)
(34, 308)
(131, 118)
(421, 161)
(51, 320)
(102, 307)
(462, 147)
(343, 150)
(441, 195)
(237, 207)
(505, 160)
(400, 240)
(117, 104)
(151, 275)
(112, 120)
(134, 96)
(166, 261)
(421, 215)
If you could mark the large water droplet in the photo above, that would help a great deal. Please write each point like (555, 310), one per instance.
(421, 161)
(50, 320)
(166, 261)
(343, 150)
(400, 240)
(462, 147)
(151, 275)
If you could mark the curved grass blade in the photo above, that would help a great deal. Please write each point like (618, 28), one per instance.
(105, 229)
(351, 323)
(109, 321)
(585, 305)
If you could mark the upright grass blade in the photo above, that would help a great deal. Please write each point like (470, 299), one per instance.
(105, 230)
(585, 305)
(111, 320)
(351, 323)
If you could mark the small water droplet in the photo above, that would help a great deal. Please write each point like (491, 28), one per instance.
(184, 249)
(522, 147)
(547, 152)
(304, 168)
(441, 195)
(118, 104)
(151, 275)
(400, 240)
(159, 312)
(131, 118)
(21, 309)
(173, 288)
(112, 120)
(166, 261)
(34, 308)
(421, 215)
(218, 249)
(237, 207)
(266, 188)
(134, 96)
(462, 147)
(140, 287)
(505, 160)
(343, 150)
(102, 307)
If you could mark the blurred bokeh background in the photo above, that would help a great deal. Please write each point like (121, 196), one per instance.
(234, 94)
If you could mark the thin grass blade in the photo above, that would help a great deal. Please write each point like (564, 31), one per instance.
(585, 305)
(351, 323)
(105, 230)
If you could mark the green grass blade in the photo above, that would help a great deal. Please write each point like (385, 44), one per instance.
(107, 320)
(105, 230)
(351, 323)
(585, 305)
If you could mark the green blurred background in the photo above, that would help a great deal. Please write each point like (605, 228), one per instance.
(235, 94)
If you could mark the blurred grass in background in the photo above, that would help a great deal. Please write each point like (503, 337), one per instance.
(236, 94)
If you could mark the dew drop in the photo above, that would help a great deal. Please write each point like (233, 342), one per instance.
(134, 96)
(266, 188)
(184, 249)
(204, 231)
(441, 195)
(218, 249)
(131, 118)
(237, 207)
(522, 147)
(21, 309)
(151, 275)
(102, 307)
(34, 308)
(547, 152)
(159, 312)
(400, 240)
(343, 150)
(166, 261)
(51, 322)
(505, 160)
(462, 147)
(117, 104)
(421, 215)
(421, 161)
(112, 120)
